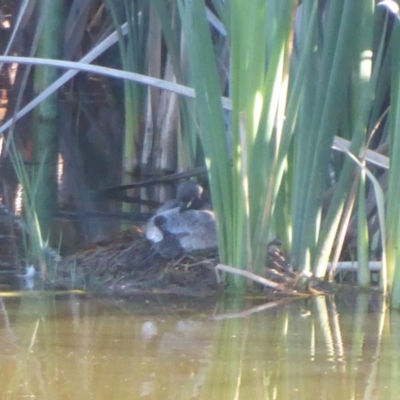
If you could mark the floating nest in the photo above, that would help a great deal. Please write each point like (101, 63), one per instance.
(130, 265)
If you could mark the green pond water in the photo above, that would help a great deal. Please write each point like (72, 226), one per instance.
(76, 347)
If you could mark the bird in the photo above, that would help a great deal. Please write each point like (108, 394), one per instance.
(169, 205)
(189, 196)
(169, 247)
(184, 224)
(194, 229)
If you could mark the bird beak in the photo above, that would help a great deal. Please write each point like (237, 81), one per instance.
(190, 203)
(185, 206)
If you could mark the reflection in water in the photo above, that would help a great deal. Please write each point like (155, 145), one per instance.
(79, 348)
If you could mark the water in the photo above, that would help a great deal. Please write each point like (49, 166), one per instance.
(74, 347)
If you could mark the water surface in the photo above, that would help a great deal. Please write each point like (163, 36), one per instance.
(75, 347)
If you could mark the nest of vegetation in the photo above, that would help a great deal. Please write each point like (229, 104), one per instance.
(130, 265)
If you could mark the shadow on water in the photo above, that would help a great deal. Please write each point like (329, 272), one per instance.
(71, 346)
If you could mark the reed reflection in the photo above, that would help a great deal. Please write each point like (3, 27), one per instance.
(316, 348)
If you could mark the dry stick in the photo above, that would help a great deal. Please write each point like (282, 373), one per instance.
(350, 204)
(256, 278)
(371, 156)
(249, 275)
(344, 227)
(164, 179)
(339, 144)
(89, 57)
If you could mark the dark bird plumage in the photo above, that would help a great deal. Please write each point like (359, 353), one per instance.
(189, 196)
(194, 229)
(169, 247)
(184, 224)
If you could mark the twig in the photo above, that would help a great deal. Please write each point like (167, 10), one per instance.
(256, 278)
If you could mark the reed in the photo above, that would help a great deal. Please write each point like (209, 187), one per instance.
(294, 85)
(267, 86)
